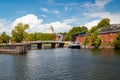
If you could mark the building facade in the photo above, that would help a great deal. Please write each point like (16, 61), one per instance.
(107, 35)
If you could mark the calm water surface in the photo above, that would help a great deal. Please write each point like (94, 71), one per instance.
(61, 64)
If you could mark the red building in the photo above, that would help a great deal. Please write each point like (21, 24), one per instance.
(107, 35)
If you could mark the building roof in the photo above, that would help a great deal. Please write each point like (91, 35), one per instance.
(79, 34)
(112, 27)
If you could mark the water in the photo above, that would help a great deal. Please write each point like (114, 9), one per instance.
(61, 64)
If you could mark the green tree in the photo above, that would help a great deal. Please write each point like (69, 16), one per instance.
(86, 41)
(116, 42)
(96, 41)
(84, 28)
(19, 31)
(67, 37)
(5, 38)
(93, 29)
(74, 30)
(103, 23)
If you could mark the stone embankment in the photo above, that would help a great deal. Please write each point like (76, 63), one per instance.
(14, 48)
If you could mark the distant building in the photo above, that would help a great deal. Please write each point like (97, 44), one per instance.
(107, 34)
(59, 37)
(51, 30)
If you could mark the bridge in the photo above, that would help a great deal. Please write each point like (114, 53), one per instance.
(21, 48)
(40, 44)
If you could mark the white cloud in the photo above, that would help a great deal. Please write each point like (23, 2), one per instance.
(99, 4)
(90, 24)
(96, 12)
(44, 16)
(102, 3)
(5, 26)
(69, 21)
(30, 19)
(56, 12)
(37, 26)
(44, 9)
(114, 17)
(59, 27)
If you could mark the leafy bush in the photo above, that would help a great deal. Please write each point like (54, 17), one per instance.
(116, 42)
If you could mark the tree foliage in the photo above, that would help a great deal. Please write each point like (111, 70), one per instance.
(93, 29)
(41, 36)
(116, 42)
(5, 38)
(86, 41)
(18, 34)
(103, 23)
(74, 30)
(96, 41)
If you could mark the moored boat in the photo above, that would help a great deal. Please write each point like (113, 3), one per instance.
(74, 45)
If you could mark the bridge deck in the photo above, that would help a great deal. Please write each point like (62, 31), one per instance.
(44, 42)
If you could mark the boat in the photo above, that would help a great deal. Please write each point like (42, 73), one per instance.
(74, 45)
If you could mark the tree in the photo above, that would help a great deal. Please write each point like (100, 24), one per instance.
(74, 30)
(103, 23)
(93, 29)
(96, 41)
(116, 42)
(86, 41)
(84, 28)
(19, 31)
(5, 38)
(67, 37)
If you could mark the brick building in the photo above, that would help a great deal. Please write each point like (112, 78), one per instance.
(107, 34)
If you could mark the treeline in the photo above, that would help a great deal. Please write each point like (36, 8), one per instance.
(19, 34)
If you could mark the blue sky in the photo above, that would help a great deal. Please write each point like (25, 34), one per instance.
(61, 14)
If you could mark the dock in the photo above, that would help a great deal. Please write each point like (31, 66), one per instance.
(14, 48)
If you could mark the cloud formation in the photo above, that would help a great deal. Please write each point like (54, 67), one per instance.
(5, 26)
(96, 12)
(44, 9)
(56, 12)
(69, 21)
(99, 4)
(37, 26)
(30, 19)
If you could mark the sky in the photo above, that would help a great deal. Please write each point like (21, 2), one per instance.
(62, 15)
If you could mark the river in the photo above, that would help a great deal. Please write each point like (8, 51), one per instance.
(61, 64)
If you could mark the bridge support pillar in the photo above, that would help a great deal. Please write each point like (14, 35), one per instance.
(39, 45)
(61, 44)
(53, 45)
